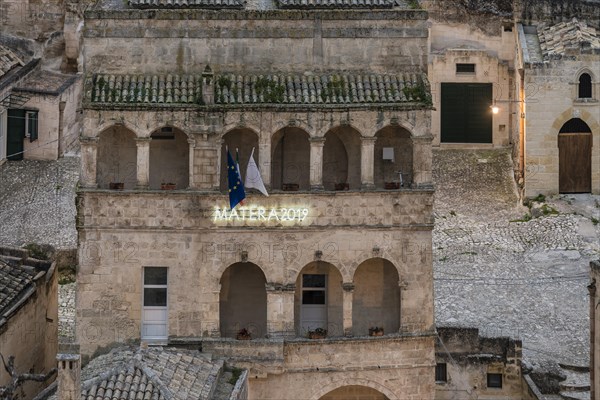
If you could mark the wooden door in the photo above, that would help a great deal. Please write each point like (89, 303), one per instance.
(15, 134)
(575, 162)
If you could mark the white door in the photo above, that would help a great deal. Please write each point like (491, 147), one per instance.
(313, 309)
(154, 311)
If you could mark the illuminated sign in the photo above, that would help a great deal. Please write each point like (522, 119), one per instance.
(260, 214)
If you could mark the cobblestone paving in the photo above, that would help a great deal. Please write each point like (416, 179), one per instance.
(522, 279)
(37, 201)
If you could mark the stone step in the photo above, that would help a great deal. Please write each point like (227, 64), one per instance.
(575, 395)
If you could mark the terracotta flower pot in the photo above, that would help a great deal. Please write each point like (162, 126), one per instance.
(375, 331)
(342, 186)
(392, 185)
(290, 187)
(167, 186)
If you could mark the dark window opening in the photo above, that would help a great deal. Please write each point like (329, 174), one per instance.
(441, 372)
(575, 125)
(165, 133)
(465, 68)
(31, 125)
(494, 381)
(155, 276)
(585, 86)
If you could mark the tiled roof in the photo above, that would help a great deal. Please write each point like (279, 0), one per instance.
(337, 3)
(218, 4)
(8, 60)
(230, 89)
(557, 39)
(15, 283)
(45, 82)
(154, 373)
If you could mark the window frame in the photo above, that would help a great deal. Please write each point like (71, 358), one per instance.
(494, 374)
(144, 307)
(31, 125)
(465, 72)
(438, 368)
(590, 88)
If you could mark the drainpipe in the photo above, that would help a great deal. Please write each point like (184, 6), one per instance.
(592, 290)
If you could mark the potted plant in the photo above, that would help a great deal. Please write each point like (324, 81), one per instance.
(376, 331)
(116, 185)
(290, 187)
(243, 334)
(318, 333)
(342, 186)
(392, 185)
(167, 186)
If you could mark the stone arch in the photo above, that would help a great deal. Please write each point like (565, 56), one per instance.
(243, 139)
(585, 86)
(575, 157)
(570, 113)
(376, 299)
(342, 158)
(401, 267)
(109, 123)
(169, 158)
(400, 140)
(290, 161)
(323, 390)
(117, 157)
(278, 125)
(318, 299)
(243, 300)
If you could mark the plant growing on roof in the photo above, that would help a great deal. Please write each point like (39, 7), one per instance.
(271, 91)
(224, 82)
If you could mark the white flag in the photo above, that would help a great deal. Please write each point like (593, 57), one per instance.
(253, 178)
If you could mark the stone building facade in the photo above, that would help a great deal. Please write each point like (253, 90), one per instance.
(594, 329)
(336, 105)
(28, 317)
(471, 366)
(559, 88)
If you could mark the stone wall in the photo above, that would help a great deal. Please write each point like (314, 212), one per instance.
(493, 56)
(551, 100)
(594, 328)
(31, 335)
(120, 233)
(398, 367)
(184, 41)
(469, 358)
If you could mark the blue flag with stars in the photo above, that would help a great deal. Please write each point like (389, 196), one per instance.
(234, 180)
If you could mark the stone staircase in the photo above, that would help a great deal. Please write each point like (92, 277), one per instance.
(577, 384)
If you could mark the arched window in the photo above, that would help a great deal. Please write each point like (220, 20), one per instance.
(585, 86)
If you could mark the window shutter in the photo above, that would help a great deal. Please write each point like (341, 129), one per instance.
(32, 125)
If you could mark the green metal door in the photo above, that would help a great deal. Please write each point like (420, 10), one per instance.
(15, 134)
(465, 113)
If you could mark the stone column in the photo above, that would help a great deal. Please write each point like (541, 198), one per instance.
(402, 285)
(280, 310)
(191, 175)
(143, 163)
(367, 162)
(207, 164)
(347, 307)
(422, 160)
(89, 161)
(316, 163)
(264, 150)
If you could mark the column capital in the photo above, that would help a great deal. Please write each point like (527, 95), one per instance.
(426, 138)
(279, 287)
(319, 140)
(348, 286)
(368, 139)
(142, 140)
(88, 140)
(191, 142)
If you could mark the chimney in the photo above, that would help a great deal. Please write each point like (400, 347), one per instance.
(69, 372)
(208, 85)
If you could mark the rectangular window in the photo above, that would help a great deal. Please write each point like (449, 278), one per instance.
(465, 68)
(31, 125)
(494, 381)
(441, 373)
(154, 313)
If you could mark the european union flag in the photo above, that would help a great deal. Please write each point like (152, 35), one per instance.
(234, 180)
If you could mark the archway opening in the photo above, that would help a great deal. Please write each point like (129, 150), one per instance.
(318, 300)
(169, 158)
(354, 392)
(376, 300)
(585, 86)
(575, 157)
(341, 159)
(243, 300)
(291, 159)
(393, 158)
(244, 140)
(117, 158)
